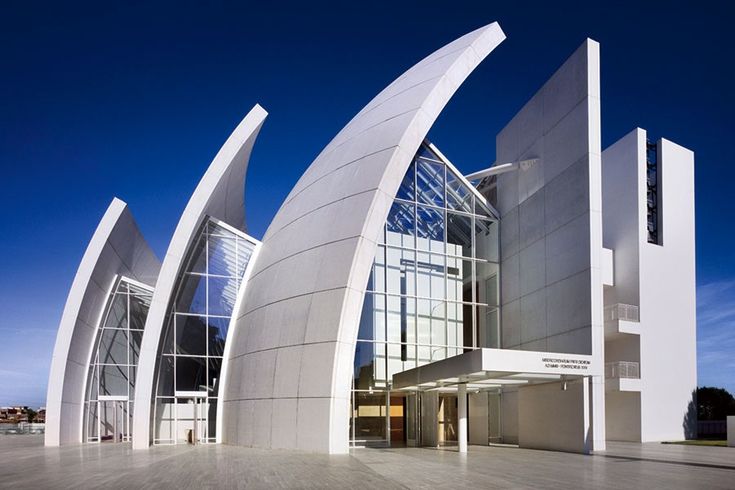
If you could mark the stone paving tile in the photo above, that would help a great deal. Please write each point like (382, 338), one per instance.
(25, 463)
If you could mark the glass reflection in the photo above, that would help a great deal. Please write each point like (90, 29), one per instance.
(433, 288)
(114, 361)
(194, 337)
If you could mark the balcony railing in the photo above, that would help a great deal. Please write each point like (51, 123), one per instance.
(622, 369)
(620, 311)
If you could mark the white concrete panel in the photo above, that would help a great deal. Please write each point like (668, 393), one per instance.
(511, 324)
(568, 195)
(533, 316)
(510, 233)
(552, 418)
(568, 249)
(116, 248)
(532, 267)
(510, 279)
(321, 243)
(568, 304)
(531, 219)
(284, 423)
(509, 417)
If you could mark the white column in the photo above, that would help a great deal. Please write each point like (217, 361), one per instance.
(462, 417)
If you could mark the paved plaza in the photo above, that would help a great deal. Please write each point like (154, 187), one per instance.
(25, 463)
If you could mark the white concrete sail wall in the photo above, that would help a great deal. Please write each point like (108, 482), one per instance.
(668, 304)
(551, 220)
(291, 362)
(116, 248)
(220, 194)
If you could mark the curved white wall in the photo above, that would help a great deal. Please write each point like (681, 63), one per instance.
(290, 364)
(220, 194)
(116, 248)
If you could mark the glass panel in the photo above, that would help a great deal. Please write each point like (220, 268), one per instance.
(114, 380)
(364, 366)
(407, 190)
(430, 183)
(400, 226)
(396, 318)
(244, 252)
(114, 347)
(372, 321)
(166, 376)
(222, 295)
(191, 335)
(430, 279)
(376, 282)
(459, 279)
(192, 296)
(459, 235)
(455, 324)
(400, 271)
(431, 321)
(92, 420)
(136, 339)
(198, 260)
(369, 416)
(93, 390)
(430, 229)
(191, 373)
(459, 196)
(139, 311)
(222, 256)
(215, 365)
(217, 335)
(118, 314)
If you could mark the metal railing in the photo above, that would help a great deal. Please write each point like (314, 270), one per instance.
(620, 311)
(622, 369)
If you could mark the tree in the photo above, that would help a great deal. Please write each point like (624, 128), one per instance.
(714, 403)
(31, 415)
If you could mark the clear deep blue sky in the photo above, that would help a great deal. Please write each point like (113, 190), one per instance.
(134, 101)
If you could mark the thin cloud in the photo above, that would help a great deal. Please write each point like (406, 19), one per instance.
(716, 334)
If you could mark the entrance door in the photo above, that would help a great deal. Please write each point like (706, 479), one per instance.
(447, 419)
(114, 419)
(192, 415)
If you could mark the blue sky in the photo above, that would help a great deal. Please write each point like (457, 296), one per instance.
(133, 100)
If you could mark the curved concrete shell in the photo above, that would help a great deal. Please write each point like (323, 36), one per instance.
(219, 195)
(116, 248)
(294, 345)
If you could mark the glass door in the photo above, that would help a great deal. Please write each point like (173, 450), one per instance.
(192, 418)
(113, 419)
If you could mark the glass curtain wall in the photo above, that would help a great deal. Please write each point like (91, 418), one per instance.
(194, 336)
(114, 362)
(433, 290)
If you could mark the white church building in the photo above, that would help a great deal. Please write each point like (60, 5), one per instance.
(546, 302)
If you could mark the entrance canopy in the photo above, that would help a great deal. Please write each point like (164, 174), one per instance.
(493, 368)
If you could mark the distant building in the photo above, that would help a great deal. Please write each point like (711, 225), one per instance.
(547, 301)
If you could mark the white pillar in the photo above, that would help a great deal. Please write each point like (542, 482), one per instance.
(462, 417)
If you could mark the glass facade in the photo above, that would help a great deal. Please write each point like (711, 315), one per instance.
(111, 381)
(433, 290)
(193, 340)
